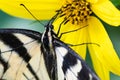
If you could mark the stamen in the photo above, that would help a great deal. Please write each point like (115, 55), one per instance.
(75, 12)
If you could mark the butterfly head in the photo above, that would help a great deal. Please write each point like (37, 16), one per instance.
(49, 32)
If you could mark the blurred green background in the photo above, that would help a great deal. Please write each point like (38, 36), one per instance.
(7, 21)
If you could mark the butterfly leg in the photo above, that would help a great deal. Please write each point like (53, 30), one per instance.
(70, 31)
(82, 44)
(60, 27)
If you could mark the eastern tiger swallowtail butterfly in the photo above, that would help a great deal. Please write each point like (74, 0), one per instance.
(30, 55)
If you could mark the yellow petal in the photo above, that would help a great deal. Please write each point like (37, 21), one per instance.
(92, 1)
(42, 9)
(96, 1)
(77, 37)
(107, 12)
(105, 53)
(100, 68)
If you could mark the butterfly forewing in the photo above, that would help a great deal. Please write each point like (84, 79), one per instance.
(38, 64)
(71, 66)
(17, 48)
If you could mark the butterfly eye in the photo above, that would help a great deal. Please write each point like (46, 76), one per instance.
(52, 27)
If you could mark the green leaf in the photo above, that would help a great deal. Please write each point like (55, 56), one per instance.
(116, 3)
(114, 77)
(7, 21)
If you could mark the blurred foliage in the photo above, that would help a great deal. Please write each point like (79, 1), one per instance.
(116, 3)
(7, 21)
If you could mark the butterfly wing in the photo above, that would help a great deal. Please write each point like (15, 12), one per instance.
(71, 66)
(39, 68)
(22, 59)
(18, 49)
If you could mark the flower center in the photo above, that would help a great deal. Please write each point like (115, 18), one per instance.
(75, 12)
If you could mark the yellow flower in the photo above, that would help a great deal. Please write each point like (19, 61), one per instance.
(77, 14)
(42, 9)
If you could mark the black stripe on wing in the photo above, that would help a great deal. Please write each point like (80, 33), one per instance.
(71, 61)
(32, 71)
(13, 42)
(4, 63)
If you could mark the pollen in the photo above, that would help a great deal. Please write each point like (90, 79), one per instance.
(75, 12)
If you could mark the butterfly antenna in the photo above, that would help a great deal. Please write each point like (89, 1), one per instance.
(31, 13)
(53, 19)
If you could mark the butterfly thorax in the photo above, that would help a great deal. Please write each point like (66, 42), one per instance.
(49, 53)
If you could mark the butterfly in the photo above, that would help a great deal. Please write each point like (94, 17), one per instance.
(30, 55)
